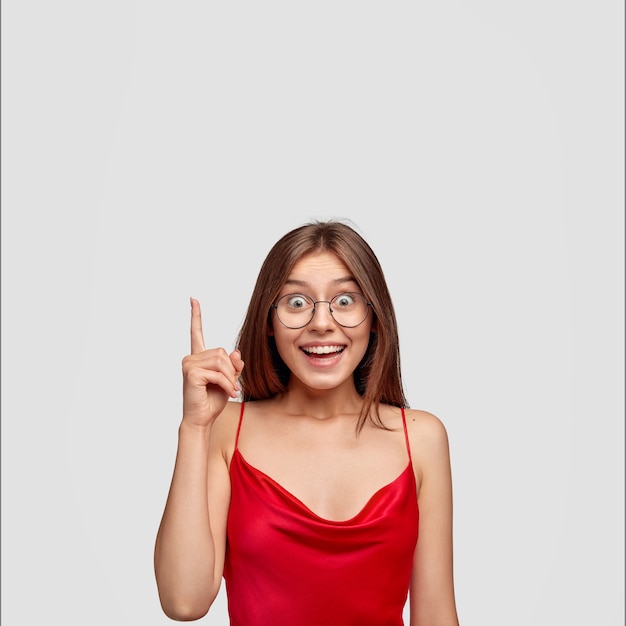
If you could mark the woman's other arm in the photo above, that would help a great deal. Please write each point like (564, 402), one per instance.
(432, 583)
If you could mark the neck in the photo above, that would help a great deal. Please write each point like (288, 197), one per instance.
(321, 404)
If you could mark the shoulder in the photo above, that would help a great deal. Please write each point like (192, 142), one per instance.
(428, 439)
(425, 430)
(425, 425)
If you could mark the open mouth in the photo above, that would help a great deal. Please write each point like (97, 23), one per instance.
(322, 351)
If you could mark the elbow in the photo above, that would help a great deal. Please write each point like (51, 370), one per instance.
(181, 611)
(183, 601)
(185, 607)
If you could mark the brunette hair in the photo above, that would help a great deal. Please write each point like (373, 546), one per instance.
(377, 377)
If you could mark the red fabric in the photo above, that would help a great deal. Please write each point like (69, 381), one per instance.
(286, 566)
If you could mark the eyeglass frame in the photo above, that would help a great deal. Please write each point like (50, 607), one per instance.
(328, 302)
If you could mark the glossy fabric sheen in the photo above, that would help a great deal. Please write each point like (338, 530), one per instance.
(286, 566)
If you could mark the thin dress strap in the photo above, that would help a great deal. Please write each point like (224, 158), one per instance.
(406, 433)
(239, 427)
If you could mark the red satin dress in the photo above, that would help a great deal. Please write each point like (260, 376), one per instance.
(286, 566)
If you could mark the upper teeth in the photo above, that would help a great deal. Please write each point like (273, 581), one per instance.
(322, 349)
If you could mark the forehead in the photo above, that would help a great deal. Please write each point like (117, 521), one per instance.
(319, 268)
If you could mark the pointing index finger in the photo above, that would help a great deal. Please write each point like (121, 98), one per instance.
(197, 338)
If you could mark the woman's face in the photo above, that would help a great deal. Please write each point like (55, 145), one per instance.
(322, 355)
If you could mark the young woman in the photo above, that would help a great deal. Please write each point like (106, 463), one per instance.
(320, 499)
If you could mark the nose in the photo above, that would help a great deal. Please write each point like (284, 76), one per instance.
(322, 318)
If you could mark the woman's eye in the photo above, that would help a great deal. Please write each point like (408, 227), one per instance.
(297, 302)
(344, 299)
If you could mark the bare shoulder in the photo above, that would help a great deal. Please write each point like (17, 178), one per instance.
(428, 439)
(425, 430)
(425, 425)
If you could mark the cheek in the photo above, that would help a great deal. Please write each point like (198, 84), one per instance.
(363, 341)
(369, 330)
(283, 338)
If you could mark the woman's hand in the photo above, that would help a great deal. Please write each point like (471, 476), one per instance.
(210, 377)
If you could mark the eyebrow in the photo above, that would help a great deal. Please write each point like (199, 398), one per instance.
(336, 281)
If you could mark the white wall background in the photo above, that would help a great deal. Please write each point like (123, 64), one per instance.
(156, 150)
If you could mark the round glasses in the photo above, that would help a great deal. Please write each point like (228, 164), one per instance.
(347, 309)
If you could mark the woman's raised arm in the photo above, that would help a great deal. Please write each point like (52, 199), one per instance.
(191, 541)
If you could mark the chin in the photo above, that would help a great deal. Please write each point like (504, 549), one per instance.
(323, 383)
